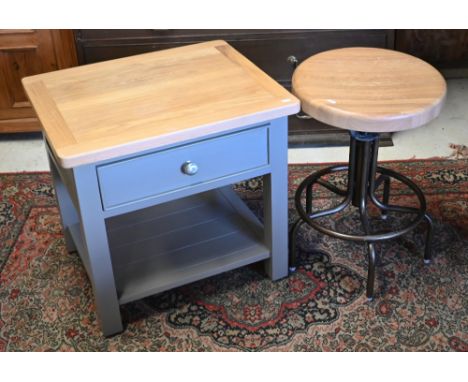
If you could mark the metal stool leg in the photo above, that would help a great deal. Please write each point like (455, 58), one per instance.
(428, 247)
(367, 171)
(382, 206)
(371, 271)
(292, 245)
(386, 196)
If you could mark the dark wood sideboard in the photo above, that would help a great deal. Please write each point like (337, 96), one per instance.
(272, 50)
(446, 49)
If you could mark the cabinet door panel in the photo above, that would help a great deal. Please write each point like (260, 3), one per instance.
(24, 53)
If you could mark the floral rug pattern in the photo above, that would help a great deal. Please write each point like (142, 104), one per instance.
(46, 301)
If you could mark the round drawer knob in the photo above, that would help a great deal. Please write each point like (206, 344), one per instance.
(293, 61)
(189, 168)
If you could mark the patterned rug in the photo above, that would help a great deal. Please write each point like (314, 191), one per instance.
(46, 301)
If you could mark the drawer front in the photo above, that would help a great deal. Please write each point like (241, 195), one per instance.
(153, 174)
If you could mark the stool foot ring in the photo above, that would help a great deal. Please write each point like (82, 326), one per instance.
(383, 207)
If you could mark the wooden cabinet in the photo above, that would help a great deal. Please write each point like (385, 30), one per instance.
(23, 53)
(268, 49)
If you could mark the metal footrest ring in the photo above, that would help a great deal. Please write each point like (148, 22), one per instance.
(309, 217)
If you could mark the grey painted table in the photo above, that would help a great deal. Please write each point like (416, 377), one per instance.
(146, 200)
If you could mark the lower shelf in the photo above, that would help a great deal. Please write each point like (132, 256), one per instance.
(179, 242)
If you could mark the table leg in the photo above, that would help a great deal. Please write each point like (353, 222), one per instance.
(67, 210)
(275, 196)
(96, 246)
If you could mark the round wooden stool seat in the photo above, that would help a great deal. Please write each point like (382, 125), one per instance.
(369, 89)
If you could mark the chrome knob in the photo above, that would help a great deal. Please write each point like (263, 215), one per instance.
(293, 61)
(189, 168)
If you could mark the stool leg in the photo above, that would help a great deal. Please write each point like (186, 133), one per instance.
(292, 245)
(371, 271)
(386, 196)
(372, 254)
(428, 247)
(361, 190)
(375, 183)
(365, 186)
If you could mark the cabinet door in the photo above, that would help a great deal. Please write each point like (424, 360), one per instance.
(23, 53)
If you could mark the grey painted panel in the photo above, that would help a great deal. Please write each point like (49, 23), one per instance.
(96, 249)
(172, 242)
(75, 233)
(184, 192)
(230, 196)
(152, 174)
(176, 232)
(164, 221)
(275, 195)
(172, 251)
(161, 273)
(154, 212)
(67, 210)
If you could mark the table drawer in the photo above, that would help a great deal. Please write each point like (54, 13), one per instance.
(152, 174)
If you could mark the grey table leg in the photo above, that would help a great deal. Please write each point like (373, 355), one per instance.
(275, 196)
(67, 210)
(97, 250)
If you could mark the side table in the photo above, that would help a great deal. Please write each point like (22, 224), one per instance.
(143, 151)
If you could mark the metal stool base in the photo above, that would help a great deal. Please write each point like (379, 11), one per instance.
(361, 187)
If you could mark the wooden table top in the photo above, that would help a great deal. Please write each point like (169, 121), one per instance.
(118, 107)
(369, 89)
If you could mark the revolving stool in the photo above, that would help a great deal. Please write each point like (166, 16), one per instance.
(367, 91)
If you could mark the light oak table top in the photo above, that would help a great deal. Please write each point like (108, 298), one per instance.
(119, 107)
(369, 89)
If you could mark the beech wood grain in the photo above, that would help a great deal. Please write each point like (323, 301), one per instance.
(123, 106)
(369, 89)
